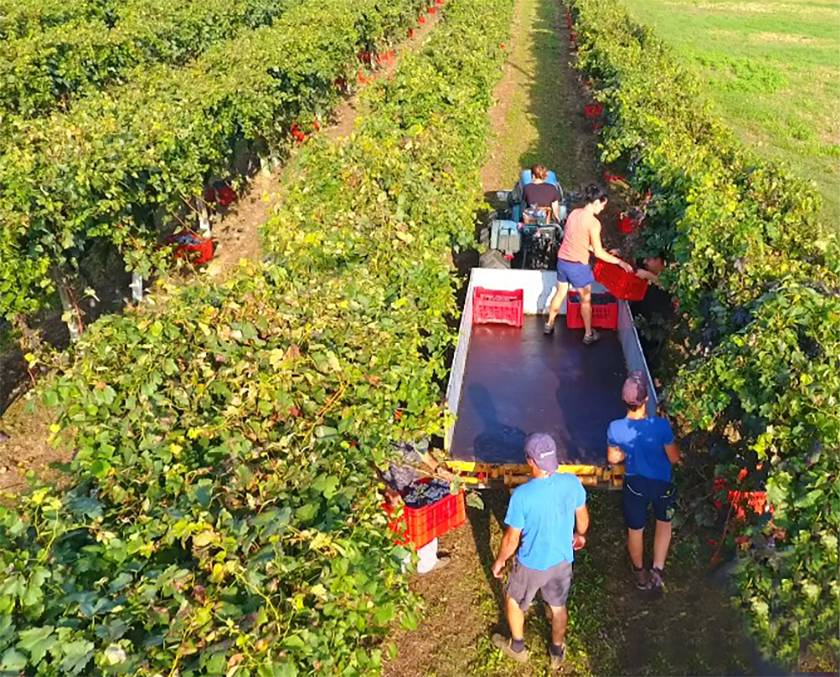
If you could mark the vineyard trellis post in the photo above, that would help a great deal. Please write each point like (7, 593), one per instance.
(72, 314)
(136, 287)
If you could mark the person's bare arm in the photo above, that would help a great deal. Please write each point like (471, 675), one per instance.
(600, 252)
(510, 541)
(581, 527)
(672, 451)
(648, 276)
(615, 455)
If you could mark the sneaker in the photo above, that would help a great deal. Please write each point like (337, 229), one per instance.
(589, 339)
(548, 329)
(503, 644)
(557, 658)
(642, 578)
(442, 561)
(657, 583)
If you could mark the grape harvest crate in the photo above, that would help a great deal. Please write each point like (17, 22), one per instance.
(506, 382)
(420, 526)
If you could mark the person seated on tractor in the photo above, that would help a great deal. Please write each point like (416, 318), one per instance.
(541, 195)
(582, 236)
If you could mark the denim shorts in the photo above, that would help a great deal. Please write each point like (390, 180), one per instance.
(639, 492)
(553, 584)
(578, 275)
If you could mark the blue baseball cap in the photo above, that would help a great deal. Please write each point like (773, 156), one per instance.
(541, 449)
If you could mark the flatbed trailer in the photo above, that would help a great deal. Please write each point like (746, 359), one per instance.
(507, 382)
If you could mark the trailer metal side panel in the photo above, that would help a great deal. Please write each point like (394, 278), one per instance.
(459, 360)
(632, 349)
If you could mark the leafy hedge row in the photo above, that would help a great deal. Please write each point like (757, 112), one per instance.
(123, 157)
(758, 281)
(22, 18)
(44, 70)
(224, 515)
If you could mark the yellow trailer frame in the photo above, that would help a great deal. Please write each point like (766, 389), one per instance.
(484, 475)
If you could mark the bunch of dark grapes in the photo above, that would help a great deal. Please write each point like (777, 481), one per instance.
(420, 494)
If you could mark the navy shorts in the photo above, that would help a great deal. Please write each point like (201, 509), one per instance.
(639, 492)
(553, 584)
(579, 275)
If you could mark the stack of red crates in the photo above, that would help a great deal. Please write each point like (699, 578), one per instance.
(604, 311)
(622, 285)
(496, 305)
(420, 526)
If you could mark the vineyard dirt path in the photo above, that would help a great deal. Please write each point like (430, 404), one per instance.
(613, 629)
(24, 425)
(238, 233)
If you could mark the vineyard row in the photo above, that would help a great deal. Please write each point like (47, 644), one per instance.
(224, 510)
(758, 284)
(18, 19)
(125, 159)
(49, 69)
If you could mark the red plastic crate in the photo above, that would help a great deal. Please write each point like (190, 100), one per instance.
(615, 180)
(627, 224)
(220, 193)
(747, 501)
(593, 110)
(496, 305)
(622, 285)
(741, 502)
(420, 526)
(194, 248)
(604, 311)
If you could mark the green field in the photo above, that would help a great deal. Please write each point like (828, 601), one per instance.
(772, 67)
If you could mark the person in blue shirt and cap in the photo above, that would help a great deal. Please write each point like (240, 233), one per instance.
(646, 446)
(546, 519)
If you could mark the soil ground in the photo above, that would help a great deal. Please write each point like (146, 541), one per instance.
(613, 628)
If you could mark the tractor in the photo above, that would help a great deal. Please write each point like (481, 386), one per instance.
(519, 237)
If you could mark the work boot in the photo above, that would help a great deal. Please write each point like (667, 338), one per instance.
(657, 583)
(642, 578)
(589, 339)
(504, 644)
(556, 656)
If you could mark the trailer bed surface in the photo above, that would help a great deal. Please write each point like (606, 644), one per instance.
(518, 381)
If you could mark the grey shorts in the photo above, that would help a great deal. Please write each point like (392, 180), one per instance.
(553, 584)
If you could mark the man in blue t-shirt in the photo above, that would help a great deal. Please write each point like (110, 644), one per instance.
(646, 445)
(547, 519)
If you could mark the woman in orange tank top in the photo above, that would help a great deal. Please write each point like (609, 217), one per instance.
(582, 235)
